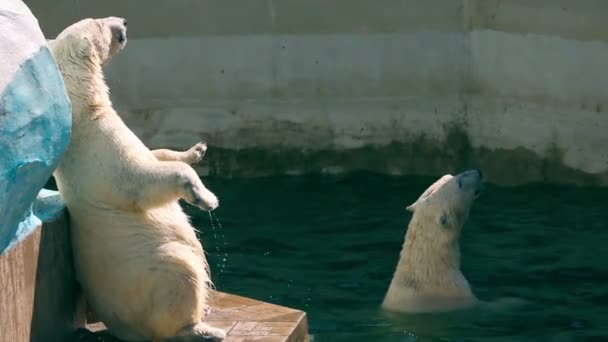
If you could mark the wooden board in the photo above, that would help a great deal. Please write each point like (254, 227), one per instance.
(244, 319)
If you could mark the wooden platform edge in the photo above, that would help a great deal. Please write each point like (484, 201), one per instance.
(244, 319)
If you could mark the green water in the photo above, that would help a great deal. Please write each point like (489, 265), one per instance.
(329, 246)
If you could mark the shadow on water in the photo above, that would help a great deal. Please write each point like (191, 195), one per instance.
(329, 245)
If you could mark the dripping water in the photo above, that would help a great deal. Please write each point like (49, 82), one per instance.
(221, 257)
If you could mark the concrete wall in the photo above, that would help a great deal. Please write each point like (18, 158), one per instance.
(398, 86)
(539, 82)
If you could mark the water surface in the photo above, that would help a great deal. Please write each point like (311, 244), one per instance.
(329, 245)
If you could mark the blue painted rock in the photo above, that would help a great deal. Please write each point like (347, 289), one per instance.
(35, 120)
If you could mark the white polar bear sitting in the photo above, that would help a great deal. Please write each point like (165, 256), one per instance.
(428, 276)
(137, 257)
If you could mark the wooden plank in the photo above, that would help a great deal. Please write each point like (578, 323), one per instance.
(38, 294)
(244, 319)
(17, 286)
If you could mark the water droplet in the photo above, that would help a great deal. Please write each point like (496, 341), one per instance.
(409, 337)
(221, 241)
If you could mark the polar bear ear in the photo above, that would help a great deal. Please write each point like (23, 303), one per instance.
(84, 47)
(79, 46)
(429, 191)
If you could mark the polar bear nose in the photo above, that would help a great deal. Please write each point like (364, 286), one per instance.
(124, 22)
(469, 178)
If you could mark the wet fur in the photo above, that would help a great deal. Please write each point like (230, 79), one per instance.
(136, 255)
(428, 276)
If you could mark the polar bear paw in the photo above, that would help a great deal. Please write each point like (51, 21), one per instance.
(201, 197)
(196, 153)
(204, 332)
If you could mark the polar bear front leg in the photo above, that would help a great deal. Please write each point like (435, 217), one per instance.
(165, 181)
(191, 156)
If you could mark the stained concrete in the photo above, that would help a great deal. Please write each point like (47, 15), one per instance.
(299, 86)
(194, 18)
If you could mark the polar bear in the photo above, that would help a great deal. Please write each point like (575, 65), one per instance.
(141, 266)
(428, 276)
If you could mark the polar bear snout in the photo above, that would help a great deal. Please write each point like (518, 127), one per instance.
(121, 37)
(471, 180)
(119, 30)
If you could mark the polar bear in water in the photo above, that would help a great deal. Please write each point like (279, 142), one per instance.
(141, 266)
(428, 276)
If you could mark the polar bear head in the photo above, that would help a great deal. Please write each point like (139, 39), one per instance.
(99, 38)
(444, 207)
(80, 52)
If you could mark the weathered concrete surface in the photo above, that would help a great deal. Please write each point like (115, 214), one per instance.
(38, 292)
(305, 86)
(192, 18)
(311, 68)
(577, 20)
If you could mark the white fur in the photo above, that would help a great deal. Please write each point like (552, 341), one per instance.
(428, 276)
(136, 255)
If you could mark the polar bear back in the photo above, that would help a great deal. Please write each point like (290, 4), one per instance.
(92, 163)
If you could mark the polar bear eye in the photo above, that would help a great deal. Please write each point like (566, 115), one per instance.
(443, 220)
